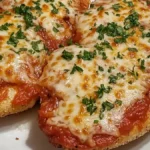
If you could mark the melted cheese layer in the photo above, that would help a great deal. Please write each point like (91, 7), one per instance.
(103, 13)
(74, 87)
(23, 58)
(122, 66)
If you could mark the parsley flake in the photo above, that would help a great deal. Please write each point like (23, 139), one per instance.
(102, 89)
(86, 55)
(76, 68)
(67, 55)
(5, 26)
(90, 105)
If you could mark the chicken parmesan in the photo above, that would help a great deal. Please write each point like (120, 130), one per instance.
(29, 31)
(99, 88)
(87, 61)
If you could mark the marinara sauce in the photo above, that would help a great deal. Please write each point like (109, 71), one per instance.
(135, 115)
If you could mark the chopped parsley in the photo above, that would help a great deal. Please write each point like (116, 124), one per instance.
(132, 49)
(102, 46)
(113, 30)
(67, 55)
(35, 46)
(118, 102)
(90, 105)
(107, 106)
(142, 64)
(120, 56)
(102, 89)
(1, 57)
(62, 5)
(37, 28)
(20, 34)
(106, 44)
(37, 6)
(134, 73)
(101, 31)
(55, 29)
(104, 56)
(76, 68)
(101, 114)
(69, 42)
(96, 121)
(87, 13)
(20, 50)
(113, 78)
(131, 21)
(86, 55)
(146, 35)
(91, 5)
(116, 7)
(100, 68)
(110, 69)
(130, 3)
(5, 26)
(54, 10)
(25, 11)
(12, 40)
(100, 8)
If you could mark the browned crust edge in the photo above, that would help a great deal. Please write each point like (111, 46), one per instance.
(133, 135)
(9, 110)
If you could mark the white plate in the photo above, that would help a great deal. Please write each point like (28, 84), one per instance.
(24, 126)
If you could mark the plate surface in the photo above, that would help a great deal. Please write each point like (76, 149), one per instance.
(21, 132)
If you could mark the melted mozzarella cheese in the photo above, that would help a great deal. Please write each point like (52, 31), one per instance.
(51, 21)
(89, 21)
(23, 61)
(56, 14)
(74, 87)
(128, 60)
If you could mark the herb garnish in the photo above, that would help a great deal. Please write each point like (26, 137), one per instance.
(116, 7)
(90, 105)
(67, 55)
(86, 55)
(5, 26)
(131, 21)
(76, 68)
(25, 11)
(102, 89)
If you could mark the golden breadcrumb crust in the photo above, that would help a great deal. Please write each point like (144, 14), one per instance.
(133, 135)
(6, 107)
